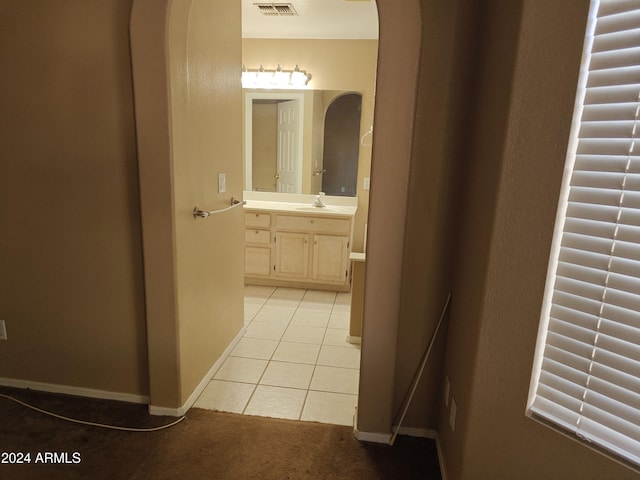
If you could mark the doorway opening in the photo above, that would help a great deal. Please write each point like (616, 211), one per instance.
(174, 371)
(273, 133)
(297, 353)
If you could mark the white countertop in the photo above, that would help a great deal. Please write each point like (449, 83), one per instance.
(301, 204)
(357, 257)
(302, 208)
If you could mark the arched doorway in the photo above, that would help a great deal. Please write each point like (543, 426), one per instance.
(399, 51)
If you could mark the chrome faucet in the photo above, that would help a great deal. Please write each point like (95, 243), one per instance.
(318, 201)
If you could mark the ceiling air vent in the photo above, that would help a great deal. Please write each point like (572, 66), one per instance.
(276, 9)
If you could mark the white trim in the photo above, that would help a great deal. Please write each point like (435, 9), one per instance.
(180, 411)
(75, 391)
(372, 437)
(354, 340)
(385, 438)
(369, 436)
(167, 411)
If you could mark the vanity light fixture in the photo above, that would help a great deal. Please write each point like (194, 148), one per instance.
(278, 78)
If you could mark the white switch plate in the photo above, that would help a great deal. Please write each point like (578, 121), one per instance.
(3, 330)
(367, 183)
(222, 182)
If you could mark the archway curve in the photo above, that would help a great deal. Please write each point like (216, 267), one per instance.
(341, 144)
(398, 51)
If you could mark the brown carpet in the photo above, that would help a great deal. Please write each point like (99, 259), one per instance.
(206, 445)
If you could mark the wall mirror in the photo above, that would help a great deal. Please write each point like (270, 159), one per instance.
(302, 141)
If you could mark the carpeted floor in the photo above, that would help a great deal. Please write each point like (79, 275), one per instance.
(205, 445)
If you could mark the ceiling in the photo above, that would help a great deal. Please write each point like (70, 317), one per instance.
(348, 19)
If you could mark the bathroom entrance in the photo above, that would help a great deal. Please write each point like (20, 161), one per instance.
(296, 358)
(183, 343)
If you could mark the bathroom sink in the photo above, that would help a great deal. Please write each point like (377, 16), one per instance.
(317, 209)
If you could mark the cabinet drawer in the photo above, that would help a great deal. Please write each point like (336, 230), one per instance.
(257, 220)
(257, 236)
(313, 224)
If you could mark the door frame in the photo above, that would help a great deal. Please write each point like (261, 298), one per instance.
(399, 50)
(249, 97)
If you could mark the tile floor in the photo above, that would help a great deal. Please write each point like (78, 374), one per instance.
(293, 361)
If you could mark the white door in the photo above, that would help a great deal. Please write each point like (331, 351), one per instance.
(287, 175)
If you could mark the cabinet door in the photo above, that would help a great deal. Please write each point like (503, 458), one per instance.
(330, 256)
(257, 261)
(292, 255)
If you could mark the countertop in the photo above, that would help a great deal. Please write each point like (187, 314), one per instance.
(302, 204)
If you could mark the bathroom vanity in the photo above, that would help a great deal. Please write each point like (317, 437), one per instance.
(292, 243)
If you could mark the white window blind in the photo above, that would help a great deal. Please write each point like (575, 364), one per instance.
(586, 375)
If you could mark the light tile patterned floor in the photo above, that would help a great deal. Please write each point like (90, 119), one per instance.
(293, 361)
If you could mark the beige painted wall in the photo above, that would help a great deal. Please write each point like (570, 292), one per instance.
(189, 130)
(518, 130)
(334, 65)
(71, 281)
(432, 191)
(399, 49)
(206, 114)
(264, 126)
(525, 90)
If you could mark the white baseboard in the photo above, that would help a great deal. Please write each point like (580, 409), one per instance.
(369, 436)
(354, 340)
(181, 411)
(76, 391)
(412, 432)
(372, 437)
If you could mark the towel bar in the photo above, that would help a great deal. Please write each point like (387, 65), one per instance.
(197, 213)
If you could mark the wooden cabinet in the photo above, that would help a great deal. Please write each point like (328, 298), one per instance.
(330, 258)
(292, 255)
(287, 249)
(257, 250)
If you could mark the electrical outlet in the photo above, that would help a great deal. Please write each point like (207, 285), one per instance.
(447, 386)
(3, 330)
(222, 182)
(367, 183)
(452, 415)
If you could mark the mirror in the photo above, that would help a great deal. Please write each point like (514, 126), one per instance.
(302, 141)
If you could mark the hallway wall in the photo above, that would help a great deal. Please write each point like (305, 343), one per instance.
(188, 110)
(525, 91)
(71, 281)
(206, 118)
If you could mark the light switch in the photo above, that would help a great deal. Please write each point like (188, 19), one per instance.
(222, 182)
(367, 183)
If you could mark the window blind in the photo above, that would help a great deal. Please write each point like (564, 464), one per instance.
(586, 376)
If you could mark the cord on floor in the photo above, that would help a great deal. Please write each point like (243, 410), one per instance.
(93, 424)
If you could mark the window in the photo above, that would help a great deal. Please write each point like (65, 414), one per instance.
(586, 373)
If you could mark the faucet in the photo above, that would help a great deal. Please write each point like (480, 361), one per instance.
(318, 201)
